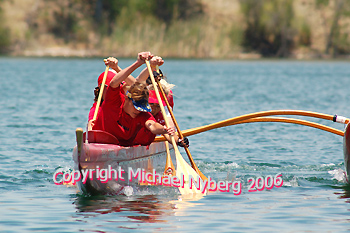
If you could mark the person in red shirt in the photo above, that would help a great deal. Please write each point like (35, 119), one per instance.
(127, 116)
(109, 77)
(113, 63)
(157, 114)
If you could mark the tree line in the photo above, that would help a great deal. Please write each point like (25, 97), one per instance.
(270, 27)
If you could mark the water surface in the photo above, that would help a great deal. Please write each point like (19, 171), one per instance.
(43, 101)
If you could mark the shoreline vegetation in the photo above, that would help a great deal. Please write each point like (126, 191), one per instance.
(222, 29)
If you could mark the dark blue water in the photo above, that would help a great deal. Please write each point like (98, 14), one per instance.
(44, 100)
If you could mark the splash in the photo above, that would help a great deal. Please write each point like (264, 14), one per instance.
(292, 183)
(339, 175)
(128, 191)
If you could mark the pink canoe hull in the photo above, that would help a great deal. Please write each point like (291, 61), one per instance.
(123, 160)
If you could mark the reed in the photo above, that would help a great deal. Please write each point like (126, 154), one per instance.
(187, 39)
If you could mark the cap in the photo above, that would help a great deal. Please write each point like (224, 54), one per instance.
(141, 105)
(109, 77)
(153, 98)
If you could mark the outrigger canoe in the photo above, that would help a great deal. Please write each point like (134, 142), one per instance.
(110, 167)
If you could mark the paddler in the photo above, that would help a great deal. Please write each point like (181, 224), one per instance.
(127, 115)
(153, 101)
(114, 69)
(144, 78)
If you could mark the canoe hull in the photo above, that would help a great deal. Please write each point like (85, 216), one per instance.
(109, 168)
(346, 144)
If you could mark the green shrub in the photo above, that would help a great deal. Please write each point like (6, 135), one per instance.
(269, 28)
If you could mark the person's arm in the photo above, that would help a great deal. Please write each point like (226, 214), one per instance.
(157, 128)
(145, 74)
(113, 64)
(170, 120)
(123, 74)
(91, 124)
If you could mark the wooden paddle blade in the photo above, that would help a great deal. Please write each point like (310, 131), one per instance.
(169, 166)
(192, 182)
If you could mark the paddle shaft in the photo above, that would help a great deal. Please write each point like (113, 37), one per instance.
(193, 164)
(160, 102)
(168, 164)
(101, 93)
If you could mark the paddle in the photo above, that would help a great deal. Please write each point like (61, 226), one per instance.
(194, 166)
(182, 167)
(169, 166)
(101, 93)
(260, 116)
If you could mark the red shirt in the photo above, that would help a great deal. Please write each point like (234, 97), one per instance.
(114, 120)
(159, 118)
(92, 111)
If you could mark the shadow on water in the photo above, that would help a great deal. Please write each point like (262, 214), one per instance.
(144, 207)
(344, 193)
(147, 208)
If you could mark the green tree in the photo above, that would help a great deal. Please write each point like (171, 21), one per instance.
(269, 28)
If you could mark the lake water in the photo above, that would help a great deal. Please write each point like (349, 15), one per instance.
(43, 101)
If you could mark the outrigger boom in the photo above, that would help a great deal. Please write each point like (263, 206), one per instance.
(101, 151)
